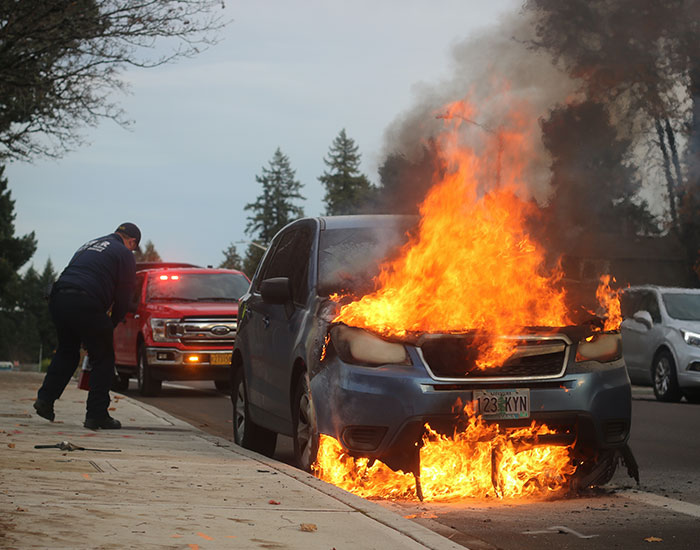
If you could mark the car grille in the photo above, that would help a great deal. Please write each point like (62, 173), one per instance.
(205, 331)
(454, 357)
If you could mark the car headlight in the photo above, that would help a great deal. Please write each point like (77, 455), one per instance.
(601, 346)
(164, 330)
(691, 338)
(359, 347)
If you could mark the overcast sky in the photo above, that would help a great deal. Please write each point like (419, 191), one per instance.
(285, 74)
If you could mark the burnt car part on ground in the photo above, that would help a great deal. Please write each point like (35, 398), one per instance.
(661, 340)
(181, 326)
(296, 373)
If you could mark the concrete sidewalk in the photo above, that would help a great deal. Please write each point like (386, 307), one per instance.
(169, 486)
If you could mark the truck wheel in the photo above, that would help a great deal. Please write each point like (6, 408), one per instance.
(148, 386)
(247, 433)
(305, 427)
(664, 378)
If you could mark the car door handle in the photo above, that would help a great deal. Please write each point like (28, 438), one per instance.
(266, 321)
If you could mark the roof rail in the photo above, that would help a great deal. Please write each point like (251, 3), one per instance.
(161, 265)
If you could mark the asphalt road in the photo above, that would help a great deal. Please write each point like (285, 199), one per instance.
(664, 510)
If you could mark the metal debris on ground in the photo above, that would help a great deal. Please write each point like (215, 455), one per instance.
(68, 446)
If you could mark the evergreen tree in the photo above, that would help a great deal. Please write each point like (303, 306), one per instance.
(253, 256)
(14, 251)
(149, 253)
(232, 259)
(274, 207)
(347, 190)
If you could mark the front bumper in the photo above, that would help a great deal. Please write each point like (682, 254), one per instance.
(379, 411)
(173, 364)
(688, 370)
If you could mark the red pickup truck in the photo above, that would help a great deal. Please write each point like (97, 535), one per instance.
(181, 326)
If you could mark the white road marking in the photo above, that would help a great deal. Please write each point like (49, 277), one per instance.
(559, 529)
(182, 387)
(663, 502)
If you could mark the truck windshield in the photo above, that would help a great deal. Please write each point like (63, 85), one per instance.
(682, 306)
(200, 287)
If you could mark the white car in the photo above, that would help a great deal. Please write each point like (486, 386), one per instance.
(6, 365)
(661, 340)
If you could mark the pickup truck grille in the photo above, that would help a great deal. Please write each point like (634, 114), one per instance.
(454, 357)
(205, 331)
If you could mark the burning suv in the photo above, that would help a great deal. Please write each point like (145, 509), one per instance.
(181, 326)
(306, 365)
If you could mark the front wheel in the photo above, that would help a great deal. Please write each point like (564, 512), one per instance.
(148, 386)
(247, 433)
(306, 438)
(664, 378)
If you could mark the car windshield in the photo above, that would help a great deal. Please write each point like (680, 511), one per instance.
(200, 287)
(682, 306)
(349, 258)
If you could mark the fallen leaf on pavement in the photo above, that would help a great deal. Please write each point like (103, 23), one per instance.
(653, 539)
(11, 445)
(308, 527)
(272, 502)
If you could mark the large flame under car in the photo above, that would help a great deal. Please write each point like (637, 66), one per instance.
(476, 290)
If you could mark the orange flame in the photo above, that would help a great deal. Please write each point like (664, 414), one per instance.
(481, 461)
(472, 265)
(609, 300)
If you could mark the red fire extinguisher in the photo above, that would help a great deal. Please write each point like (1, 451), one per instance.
(84, 378)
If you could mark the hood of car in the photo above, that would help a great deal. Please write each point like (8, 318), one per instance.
(194, 309)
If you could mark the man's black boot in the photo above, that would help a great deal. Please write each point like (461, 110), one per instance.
(44, 409)
(106, 423)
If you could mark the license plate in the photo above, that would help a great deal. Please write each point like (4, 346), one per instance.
(220, 359)
(502, 404)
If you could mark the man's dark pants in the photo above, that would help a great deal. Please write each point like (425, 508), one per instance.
(79, 319)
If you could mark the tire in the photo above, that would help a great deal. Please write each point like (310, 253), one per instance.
(120, 382)
(305, 427)
(148, 386)
(663, 375)
(596, 471)
(247, 433)
(224, 386)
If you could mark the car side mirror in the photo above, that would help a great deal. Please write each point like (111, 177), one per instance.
(644, 318)
(276, 290)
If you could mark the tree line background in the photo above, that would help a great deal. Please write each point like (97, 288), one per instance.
(637, 124)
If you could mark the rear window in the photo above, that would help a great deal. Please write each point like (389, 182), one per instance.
(197, 287)
(685, 307)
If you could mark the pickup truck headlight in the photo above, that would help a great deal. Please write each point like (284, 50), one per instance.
(603, 347)
(359, 347)
(691, 338)
(164, 330)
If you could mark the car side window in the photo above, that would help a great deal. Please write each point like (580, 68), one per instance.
(651, 304)
(290, 259)
(299, 266)
(628, 303)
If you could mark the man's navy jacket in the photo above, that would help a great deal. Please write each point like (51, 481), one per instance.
(106, 270)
